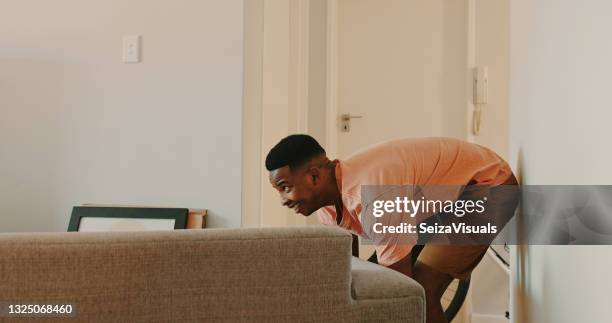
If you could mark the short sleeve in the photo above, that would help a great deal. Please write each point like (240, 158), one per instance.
(325, 216)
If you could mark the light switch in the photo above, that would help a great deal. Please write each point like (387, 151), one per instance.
(131, 48)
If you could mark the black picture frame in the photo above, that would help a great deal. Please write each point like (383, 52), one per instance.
(78, 212)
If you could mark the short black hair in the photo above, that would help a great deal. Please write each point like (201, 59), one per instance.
(293, 150)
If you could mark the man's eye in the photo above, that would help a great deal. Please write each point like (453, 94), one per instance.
(286, 189)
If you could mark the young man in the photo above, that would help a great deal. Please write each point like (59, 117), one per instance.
(309, 182)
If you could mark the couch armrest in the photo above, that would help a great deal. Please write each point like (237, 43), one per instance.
(371, 281)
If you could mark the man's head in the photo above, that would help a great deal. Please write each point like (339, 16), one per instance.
(302, 174)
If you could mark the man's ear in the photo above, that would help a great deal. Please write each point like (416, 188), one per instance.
(315, 174)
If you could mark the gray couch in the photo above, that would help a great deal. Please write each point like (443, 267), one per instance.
(303, 274)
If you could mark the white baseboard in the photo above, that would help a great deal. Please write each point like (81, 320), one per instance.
(487, 318)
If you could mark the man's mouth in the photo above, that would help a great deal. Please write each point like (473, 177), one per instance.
(296, 207)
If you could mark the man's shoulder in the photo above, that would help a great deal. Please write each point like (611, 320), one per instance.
(325, 215)
(409, 144)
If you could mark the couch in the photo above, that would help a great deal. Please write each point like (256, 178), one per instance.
(298, 274)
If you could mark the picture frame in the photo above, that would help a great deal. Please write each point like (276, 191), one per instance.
(118, 218)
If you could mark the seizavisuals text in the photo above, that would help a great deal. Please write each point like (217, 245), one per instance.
(453, 228)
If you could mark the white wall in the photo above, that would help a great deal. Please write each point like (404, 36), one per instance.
(79, 126)
(560, 134)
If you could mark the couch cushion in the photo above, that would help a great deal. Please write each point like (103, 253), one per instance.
(371, 281)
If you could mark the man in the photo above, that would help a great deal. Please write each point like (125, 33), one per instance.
(309, 182)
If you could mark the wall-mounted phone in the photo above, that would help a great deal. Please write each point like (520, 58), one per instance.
(480, 95)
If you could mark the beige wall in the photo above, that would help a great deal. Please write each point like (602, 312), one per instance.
(77, 125)
(492, 49)
(560, 134)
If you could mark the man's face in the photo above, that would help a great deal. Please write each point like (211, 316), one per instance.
(298, 189)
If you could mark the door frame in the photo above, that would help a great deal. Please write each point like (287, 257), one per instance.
(331, 108)
(275, 99)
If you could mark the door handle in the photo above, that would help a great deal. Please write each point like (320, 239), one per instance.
(348, 117)
(346, 121)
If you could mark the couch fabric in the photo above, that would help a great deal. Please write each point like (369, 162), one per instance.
(300, 274)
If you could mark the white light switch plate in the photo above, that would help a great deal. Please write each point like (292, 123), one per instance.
(131, 48)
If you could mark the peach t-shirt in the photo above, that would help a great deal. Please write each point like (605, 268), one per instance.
(414, 161)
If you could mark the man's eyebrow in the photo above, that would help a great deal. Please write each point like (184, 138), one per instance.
(280, 182)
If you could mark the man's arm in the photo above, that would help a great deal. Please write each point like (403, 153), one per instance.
(355, 246)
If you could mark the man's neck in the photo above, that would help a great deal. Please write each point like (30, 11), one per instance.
(335, 190)
(336, 194)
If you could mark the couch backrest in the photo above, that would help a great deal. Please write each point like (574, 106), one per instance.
(183, 275)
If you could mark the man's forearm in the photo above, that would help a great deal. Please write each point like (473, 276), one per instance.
(355, 246)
